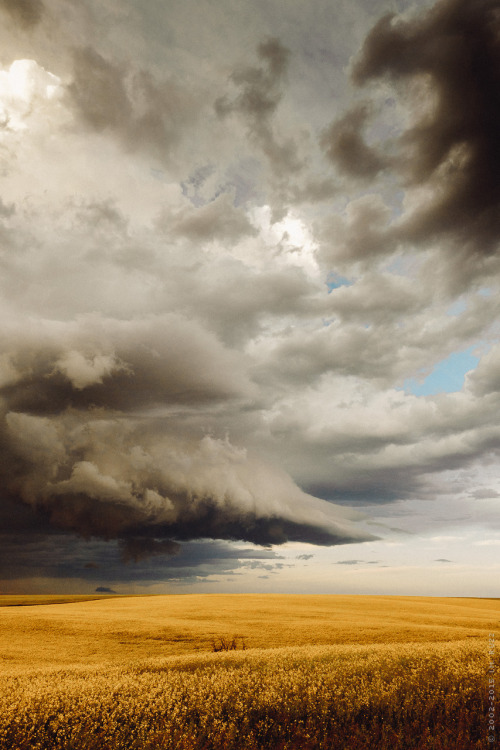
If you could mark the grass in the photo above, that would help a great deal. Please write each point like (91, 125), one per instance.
(356, 672)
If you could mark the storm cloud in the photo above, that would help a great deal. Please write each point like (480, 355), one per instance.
(443, 68)
(239, 255)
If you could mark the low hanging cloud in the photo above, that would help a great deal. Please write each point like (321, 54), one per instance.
(114, 478)
(86, 443)
(60, 555)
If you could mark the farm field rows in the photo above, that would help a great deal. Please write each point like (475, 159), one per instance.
(317, 672)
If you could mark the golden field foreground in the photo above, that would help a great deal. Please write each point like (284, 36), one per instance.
(322, 672)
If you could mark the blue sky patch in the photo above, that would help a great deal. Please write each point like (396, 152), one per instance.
(457, 308)
(447, 376)
(334, 281)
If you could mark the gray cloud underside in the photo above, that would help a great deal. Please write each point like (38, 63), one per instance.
(59, 555)
(76, 446)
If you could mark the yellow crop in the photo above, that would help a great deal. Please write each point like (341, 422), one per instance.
(407, 692)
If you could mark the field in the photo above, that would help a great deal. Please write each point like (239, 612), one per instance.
(336, 672)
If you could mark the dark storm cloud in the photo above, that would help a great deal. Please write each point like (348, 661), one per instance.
(140, 479)
(96, 506)
(445, 66)
(59, 555)
(26, 12)
(266, 531)
(344, 145)
(101, 433)
(137, 548)
(117, 364)
(455, 147)
(104, 590)
(146, 114)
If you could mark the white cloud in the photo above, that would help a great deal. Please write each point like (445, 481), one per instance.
(27, 89)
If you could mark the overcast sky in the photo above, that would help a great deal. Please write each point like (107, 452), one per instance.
(249, 269)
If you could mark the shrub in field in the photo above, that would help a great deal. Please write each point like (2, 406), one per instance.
(223, 643)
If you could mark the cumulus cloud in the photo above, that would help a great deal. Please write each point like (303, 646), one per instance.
(485, 379)
(93, 361)
(26, 86)
(369, 445)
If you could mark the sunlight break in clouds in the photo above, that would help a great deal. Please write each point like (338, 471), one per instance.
(232, 244)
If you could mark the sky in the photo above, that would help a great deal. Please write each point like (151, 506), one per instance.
(249, 311)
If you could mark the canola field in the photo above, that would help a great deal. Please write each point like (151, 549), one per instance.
(326, 672)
